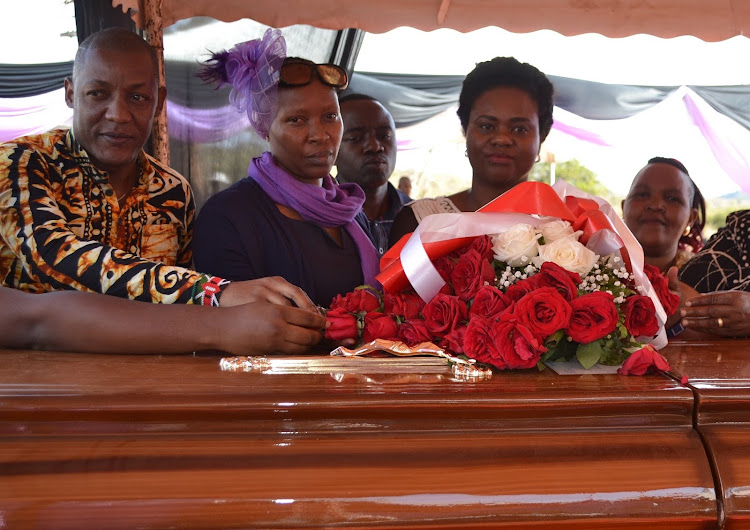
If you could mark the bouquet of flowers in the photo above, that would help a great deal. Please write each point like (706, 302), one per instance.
(516, 289)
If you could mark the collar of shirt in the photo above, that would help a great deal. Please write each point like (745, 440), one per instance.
(84, 162)
(396, 200)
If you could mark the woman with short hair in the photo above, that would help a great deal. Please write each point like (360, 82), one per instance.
(288, 218)
(505, 110)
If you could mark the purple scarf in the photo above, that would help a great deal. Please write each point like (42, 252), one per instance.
(332, 205)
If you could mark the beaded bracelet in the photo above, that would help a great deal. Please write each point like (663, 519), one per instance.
(207, 290)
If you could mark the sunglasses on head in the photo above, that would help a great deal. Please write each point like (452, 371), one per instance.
(298, 73)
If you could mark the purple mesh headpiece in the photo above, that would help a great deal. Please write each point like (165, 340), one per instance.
(252, 68)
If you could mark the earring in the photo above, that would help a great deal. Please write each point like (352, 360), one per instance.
(538, 158)
(687, 230)
(466, 153)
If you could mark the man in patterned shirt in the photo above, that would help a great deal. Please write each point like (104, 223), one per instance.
(367, 157)
(88, 209)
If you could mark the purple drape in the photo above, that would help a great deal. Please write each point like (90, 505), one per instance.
(33, 114)
(205, 125)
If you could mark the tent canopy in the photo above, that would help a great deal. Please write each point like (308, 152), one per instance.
(709, 20)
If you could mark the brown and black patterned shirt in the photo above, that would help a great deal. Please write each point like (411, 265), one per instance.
(61, 226)
(723, 264)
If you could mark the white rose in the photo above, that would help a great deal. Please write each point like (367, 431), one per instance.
(554, 230)
(569, 254)
(517, 245)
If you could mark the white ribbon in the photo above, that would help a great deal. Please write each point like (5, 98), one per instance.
(417, 266)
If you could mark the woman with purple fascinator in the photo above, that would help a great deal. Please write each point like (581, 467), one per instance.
(288, 217)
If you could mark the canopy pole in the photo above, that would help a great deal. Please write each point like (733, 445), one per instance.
(152, 23)
(443, 11)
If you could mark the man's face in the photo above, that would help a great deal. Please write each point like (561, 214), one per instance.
(368, 148)
(114, 96)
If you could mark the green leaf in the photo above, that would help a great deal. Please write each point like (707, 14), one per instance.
(589, 354)
(613, 352)
(564, 350)
(552, 342)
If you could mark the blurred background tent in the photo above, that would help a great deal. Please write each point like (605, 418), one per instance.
(611, 122)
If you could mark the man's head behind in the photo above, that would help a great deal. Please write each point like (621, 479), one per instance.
(368, 148)
(114, 93)
(404, 184)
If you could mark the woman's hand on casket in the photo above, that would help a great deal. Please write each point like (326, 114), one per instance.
(275, 290)
(724, 313)
(261, 327)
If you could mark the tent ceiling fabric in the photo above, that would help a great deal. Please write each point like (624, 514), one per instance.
(709, 20)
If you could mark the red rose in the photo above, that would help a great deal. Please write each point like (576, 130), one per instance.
(471, 272)
(357, 301)
(478, 341)
(643, 361)
(454, 341)
(522, 287)
(446, 289)
(515, 346)
(343, 325)
(640, 316)
(543, 311)
(413, 332)
(338, 302)
(407, 305)
(483, 245)
(489, 302)
(445, 266)
(660, 282)
(594, 316)
(379, 326)
(444, 313)
(566, 282)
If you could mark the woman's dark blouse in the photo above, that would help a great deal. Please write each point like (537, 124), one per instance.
(240, 234)
(722, 264)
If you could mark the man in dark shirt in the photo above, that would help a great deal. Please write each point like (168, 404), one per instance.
(367, 157)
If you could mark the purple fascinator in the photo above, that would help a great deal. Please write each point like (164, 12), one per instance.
(252, 69)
